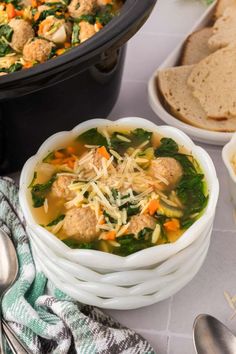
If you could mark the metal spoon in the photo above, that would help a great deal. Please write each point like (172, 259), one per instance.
(8, 271)
(210, 336)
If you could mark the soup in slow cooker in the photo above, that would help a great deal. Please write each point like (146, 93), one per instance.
(118, 190)
(34, 31)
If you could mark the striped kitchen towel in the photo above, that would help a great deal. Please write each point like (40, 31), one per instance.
(44, 318)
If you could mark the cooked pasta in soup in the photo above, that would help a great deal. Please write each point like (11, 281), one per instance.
(118, 190)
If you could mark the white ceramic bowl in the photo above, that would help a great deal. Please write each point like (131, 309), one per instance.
(144, 258)
(107, 280)
(228, 152)
(198, 134)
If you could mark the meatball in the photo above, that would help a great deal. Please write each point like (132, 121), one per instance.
(169, 169)
(55, 30)
(78, 8)
(80, 223)
(37, 50)
(60, 187)
(86, 31)
(139, 222)
(22, 33)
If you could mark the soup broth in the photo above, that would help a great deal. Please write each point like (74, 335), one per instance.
(118, 190)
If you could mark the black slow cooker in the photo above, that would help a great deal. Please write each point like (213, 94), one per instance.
(57, 95)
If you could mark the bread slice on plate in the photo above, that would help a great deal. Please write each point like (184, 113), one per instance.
(213, 83)
(196, 47)
(221, 6)
(178, 99)
(224, 30)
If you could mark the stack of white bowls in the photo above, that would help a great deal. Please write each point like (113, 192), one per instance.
(110, 281)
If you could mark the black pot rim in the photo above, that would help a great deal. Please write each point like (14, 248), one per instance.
(130, 12)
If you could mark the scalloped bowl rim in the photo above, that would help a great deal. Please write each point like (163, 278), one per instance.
(56, 141)
(227, 152)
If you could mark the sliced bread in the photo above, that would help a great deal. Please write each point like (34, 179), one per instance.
(196, 47)
(213, 83)
(221, 5)
(224, 30)
(178, 99)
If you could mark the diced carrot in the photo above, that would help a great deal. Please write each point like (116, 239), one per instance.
(60, 51)
(34, 3)
(10, 10)
(99, 25)
(172, 225)
(111, 235)
(153, 206)
(59, 155)
(67, 45)
(102, 222)
(56, 162)
(71, 164)
(71, 150)
(19, 12)
(28, 65)
(36, 16)
(103, 151)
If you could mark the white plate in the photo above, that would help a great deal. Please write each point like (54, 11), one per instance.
(198, 134)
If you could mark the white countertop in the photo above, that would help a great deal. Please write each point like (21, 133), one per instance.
(168, 324)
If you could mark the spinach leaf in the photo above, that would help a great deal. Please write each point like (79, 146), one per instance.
(93, 137)
(140, 135)
(6, 32)
(191, 193)
(12, 68)
(115, 193)
(57, 220)
(167, 146)
(33, 179)
(40, 191)
(87, 18)
(76, 245)
(129, 244)
(4, 48)
(118, 144)
(105, 16)
(16, 3)
(145, 234)
(131, 209)
(109, 217)
(75, 34)
(49, 157)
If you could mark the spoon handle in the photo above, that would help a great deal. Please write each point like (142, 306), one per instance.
(2, 351)
(14, 343)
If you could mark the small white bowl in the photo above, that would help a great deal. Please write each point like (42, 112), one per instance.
(105, 261)
(228, 152)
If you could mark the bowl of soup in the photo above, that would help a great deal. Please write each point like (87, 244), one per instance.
(124, 203)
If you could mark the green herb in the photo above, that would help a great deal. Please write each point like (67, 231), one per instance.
(75, 34)
(6, 32)
(56, 221)
(93, 137)
(15, 3)
(40, 191)
(12, 68)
